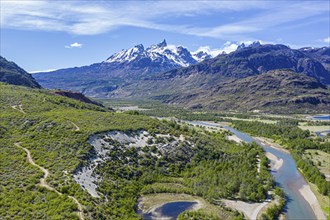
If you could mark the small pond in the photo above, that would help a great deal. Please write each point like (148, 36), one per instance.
(169, 210)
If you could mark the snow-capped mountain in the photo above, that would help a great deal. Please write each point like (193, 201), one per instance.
(156, 72)
(121, 69)
(175, 56)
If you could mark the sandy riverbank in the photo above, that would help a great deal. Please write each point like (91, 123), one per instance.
(270, 143)
(234, 138)
(219, 126)
(275, 162)
(309, 196)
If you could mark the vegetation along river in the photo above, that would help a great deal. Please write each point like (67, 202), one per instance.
(287, 177)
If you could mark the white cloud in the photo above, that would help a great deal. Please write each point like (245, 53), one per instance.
(213, 52)
(74, 45)
(38, 71)
(96, 17)
(327, 40)
(228, 47)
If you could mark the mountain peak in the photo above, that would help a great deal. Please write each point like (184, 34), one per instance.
(241, 46)
(140, 47)
(162, 44)
(255, 44)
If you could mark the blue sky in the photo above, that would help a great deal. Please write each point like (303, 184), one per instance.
(42, 35)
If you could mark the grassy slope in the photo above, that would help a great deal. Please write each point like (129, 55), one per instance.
(46, 128)
(320, 159)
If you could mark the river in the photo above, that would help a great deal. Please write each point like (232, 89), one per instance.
(287, 177)
(321, 117)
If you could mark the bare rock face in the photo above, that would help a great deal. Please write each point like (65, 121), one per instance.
(106, 144)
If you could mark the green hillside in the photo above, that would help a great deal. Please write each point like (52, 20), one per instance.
(55, 131)
(15, 75)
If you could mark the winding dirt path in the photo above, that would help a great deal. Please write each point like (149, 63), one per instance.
(19, 108)
(77, 127)
(44, 183)
(80, 212)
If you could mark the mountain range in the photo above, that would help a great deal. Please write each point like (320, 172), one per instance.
(267, 77)
(257, 59)
(121, 68)
(160, 54)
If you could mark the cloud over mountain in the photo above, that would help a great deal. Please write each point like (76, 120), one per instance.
(91, 18)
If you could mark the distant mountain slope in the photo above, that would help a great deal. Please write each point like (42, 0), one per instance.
(320, 54)
(273, 91)
(121, 68)
(256, 59)
(276, 90)
(13, 74)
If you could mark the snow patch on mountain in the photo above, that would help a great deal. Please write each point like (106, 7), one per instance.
(127, 55)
